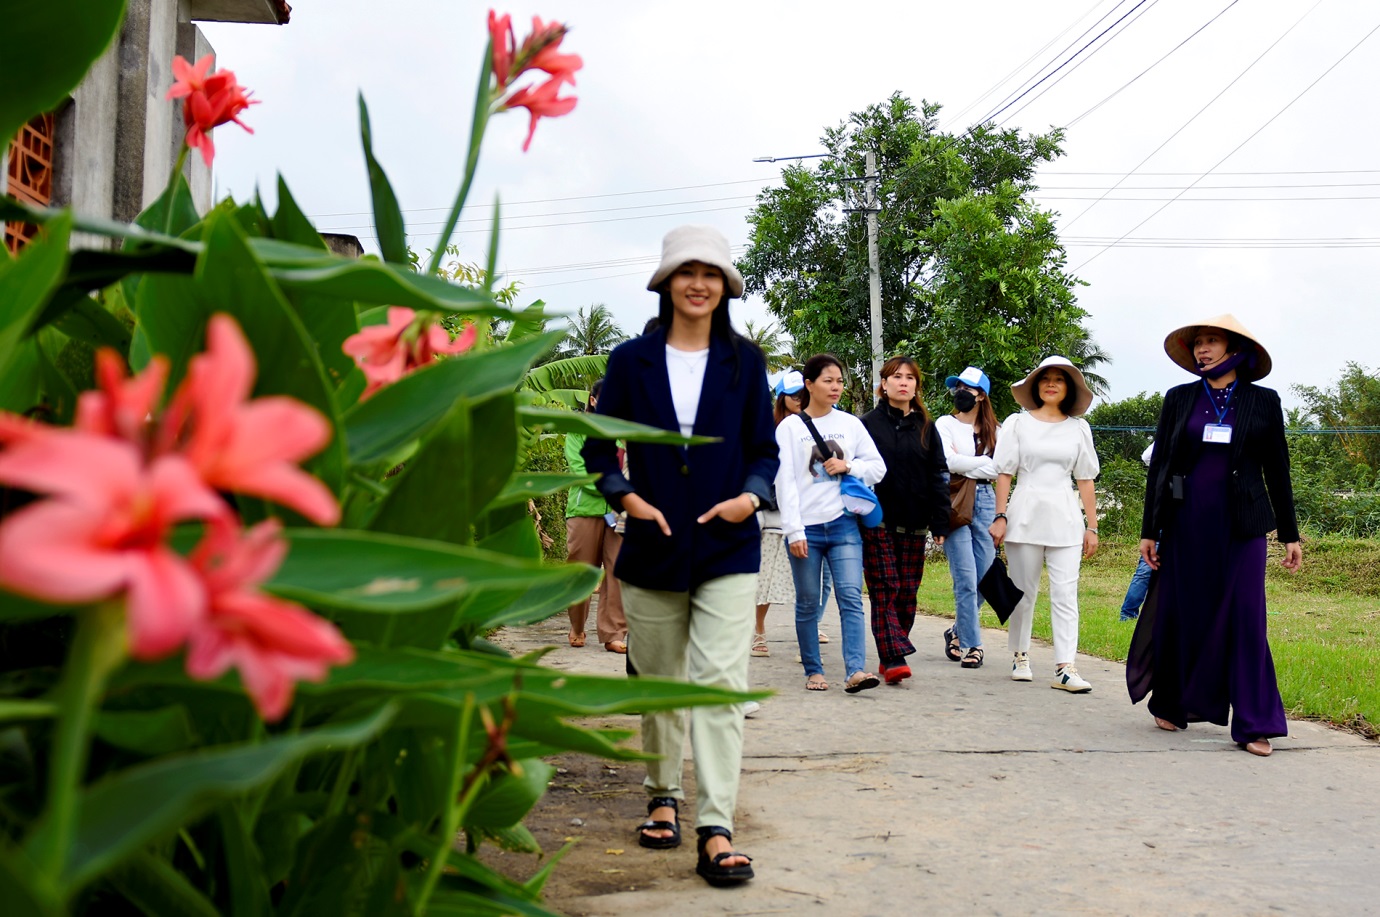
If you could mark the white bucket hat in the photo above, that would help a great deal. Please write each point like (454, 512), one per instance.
(1023, 391)
(704, 244)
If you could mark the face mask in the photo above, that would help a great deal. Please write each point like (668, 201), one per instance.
(964, 400)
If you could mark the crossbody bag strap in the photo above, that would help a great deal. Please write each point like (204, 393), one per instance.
(819, 440)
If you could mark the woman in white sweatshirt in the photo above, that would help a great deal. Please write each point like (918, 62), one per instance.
(815, 523)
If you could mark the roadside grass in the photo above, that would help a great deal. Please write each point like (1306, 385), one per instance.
(1324, 623)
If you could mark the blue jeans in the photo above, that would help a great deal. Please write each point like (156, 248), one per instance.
(1135, 593)
(840, 542)
(970, 552)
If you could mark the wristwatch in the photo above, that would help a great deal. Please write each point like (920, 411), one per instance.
(756, 500)
(998, 516)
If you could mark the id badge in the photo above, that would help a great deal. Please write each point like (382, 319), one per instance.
(1217, 433)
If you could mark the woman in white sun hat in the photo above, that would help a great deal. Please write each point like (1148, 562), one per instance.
(1045, 446)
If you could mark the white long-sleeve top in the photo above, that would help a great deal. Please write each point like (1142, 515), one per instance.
(961, 452)
(806, 495)
(1046, 459)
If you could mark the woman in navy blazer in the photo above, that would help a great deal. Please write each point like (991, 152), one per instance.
(692, 548)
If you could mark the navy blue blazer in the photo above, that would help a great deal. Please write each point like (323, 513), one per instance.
(685, 481)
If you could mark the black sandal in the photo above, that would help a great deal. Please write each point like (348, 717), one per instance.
(660, 843)
(712, 869)
(973, 658)
(951, 646)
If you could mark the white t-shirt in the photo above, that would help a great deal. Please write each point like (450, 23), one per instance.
(1046, 459)
(685, 370)
(805, 494)
(961, 452)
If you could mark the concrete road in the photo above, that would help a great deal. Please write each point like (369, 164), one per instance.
(962, 792)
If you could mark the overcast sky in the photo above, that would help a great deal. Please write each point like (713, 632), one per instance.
(676, 100)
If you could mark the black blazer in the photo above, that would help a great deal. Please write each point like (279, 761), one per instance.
(1261, 495)
(685, 481)
(914, 494)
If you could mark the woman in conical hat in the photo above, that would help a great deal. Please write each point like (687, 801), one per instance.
(1218, 484)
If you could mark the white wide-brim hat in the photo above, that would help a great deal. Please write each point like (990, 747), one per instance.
(704, 244)
(1179, 346)
(1023, 391)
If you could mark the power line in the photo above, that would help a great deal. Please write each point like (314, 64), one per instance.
(1252, 136)
(561, 213)
(641, 216)
(1209, 104)
(1350, 184)
(551, 200)
(994, 114)
(1201, 200)
(1045, 66)
(1152, 66)
(1080, 63)
(1022, 65)
(1291, 172)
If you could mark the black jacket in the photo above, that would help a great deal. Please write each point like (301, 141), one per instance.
(685, 481)
(1261, 496)
(914, 493)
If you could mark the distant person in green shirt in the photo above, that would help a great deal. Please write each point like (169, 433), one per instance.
(591, 538)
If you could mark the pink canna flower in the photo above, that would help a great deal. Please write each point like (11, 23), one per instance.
(540, 50)
(212, 99)
(273, 643)
(543, 46)
(501, 35)
(244, 446)
(120, 406)
(385, 353)
(103, 531)
(540, 103)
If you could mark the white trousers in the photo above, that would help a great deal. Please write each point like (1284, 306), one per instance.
(1024, 562)
(704, 637)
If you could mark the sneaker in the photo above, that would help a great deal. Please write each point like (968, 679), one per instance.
(1068, 679)
(1020, 668)
(751, 707)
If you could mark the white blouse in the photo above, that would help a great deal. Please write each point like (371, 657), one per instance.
(961, 452)
(1044, 457)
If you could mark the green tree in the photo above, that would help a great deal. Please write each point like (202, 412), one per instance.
(592, 332)
(775, 347)
(972, 271)
(1352, 401)
(1141, 410)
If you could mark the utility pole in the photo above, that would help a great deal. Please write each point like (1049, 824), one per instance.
(874, 270)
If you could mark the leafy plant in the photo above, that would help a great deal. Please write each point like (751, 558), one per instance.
(371, 738)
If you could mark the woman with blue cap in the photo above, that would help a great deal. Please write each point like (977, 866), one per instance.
(774, 585)
(969, 436)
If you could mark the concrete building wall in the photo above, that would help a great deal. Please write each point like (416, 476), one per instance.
(84, 173)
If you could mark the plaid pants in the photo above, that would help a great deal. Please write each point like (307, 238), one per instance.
(893, 565)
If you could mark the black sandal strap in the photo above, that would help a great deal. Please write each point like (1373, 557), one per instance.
(659, 802)
(650, 825)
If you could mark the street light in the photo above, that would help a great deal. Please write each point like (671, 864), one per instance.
(874, 268)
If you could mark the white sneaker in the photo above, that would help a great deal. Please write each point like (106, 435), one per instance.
(1068, 679)
(1020, 668)
(751, 707)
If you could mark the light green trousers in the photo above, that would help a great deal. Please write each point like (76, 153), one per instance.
(704, 637)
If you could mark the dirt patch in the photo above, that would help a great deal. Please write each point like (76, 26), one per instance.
(597, 804)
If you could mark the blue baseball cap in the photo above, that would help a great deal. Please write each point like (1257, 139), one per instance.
(973, 377)
(790, 382)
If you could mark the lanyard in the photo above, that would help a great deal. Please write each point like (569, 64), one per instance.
(1231, 390)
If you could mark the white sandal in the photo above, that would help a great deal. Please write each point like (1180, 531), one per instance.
(759, 645)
